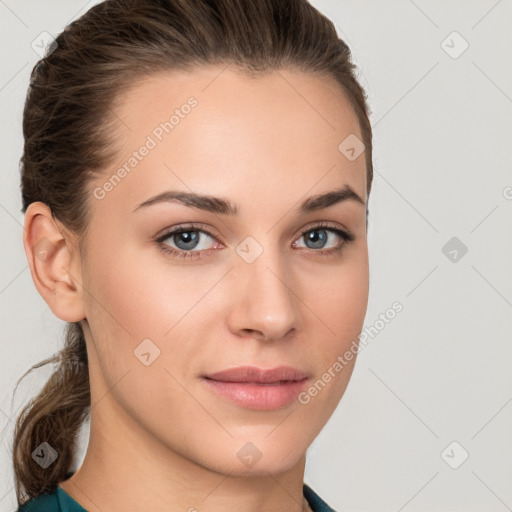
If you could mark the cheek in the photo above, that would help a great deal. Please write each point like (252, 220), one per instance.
(340, 303)
(132, 306)
(135, 298)
(121, 308)
(340, 299)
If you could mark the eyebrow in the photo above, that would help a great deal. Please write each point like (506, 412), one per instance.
(222, 206)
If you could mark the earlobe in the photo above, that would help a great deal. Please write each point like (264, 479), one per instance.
(54, 263)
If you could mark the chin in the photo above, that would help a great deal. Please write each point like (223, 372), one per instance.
(262, 468)
(247, 459)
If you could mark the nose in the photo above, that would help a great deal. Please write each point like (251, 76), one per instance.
(265, 302)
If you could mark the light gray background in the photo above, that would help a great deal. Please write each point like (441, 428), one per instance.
(440, 371)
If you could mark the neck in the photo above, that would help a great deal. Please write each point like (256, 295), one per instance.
(127, 468)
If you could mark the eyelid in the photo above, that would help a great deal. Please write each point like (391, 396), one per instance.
(190, 226)
(319, 224)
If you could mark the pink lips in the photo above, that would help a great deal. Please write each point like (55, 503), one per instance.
(258, 389)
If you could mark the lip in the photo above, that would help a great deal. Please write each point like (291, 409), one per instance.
(257, 388)
(258, 375)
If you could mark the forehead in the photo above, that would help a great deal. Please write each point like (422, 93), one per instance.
(215, 130)
(220, 90)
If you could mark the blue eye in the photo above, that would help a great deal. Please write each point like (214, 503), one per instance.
(319, 235)
(188, 238)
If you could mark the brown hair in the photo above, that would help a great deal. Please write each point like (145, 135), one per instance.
(66, 127)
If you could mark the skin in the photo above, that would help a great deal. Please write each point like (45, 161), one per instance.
(160, 439)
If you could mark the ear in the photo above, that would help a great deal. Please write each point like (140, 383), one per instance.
(54, 262)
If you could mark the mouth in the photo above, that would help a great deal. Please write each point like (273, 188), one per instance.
(258, 389)
(255, 375)
(278, 383)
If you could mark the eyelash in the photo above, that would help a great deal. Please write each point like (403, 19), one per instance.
(346, 236)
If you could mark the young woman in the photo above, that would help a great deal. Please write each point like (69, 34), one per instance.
(195, 181)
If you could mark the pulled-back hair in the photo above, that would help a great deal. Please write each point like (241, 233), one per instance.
(67, 123)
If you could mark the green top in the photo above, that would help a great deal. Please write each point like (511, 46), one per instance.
(60, 501)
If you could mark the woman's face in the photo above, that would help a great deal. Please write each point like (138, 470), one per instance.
(264, 287)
